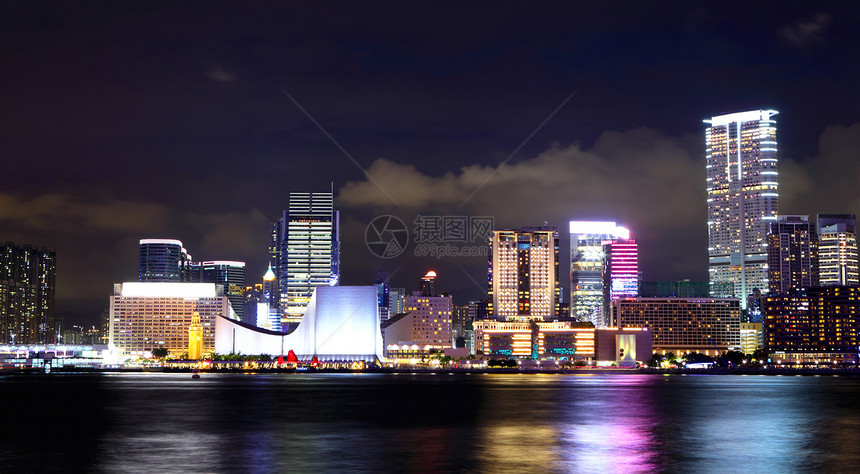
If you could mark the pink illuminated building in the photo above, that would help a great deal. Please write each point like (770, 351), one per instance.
(621, 272)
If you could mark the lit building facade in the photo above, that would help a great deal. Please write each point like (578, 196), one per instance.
(147, 315)
(27, 285)
(164, 260)
(310, 251)
(813, 323)
(425, 323)
(706, 325)
(587, 240)
(837, 249)
(792, 254)
(229, 274)
(541, 340)
(620, 273)
(742, 187)
(523, 274)
(752, 337)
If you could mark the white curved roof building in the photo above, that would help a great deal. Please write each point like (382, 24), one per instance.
(341, 323)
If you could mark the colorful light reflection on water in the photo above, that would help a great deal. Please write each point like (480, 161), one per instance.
(430, 423)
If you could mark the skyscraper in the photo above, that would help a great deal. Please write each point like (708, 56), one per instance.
(837, 249)
(164, 260)
(587, 239)
(310, 251)
(620, 274)
(230, 275)
(276, 240)
(523, 274)
(742, 199)
(792, 254)
(27, 282)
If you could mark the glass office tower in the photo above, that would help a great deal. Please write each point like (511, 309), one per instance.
(741, 165)
(587, 239)
(164, 260)
(310, 251)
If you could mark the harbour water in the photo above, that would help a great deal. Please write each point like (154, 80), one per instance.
(429, 423)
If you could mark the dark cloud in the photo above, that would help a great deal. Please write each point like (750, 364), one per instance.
(828, 182)
(805, 32)
(642, 178)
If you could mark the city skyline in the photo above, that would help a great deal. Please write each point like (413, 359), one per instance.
(560, 117)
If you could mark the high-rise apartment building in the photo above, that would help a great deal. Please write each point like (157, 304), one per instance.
(523, 274)
(164, 260)
(792, 254)
(310, 251)
(837, 249)
(741, 163)
(230, 275)
(27, 281)
(587, 240)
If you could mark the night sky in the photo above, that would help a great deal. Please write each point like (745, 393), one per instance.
(127, 120)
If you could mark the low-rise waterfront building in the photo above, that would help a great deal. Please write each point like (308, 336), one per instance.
(538, 340)
(709, 326)
(145, 316)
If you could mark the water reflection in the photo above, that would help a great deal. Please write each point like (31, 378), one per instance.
(608, 426)
(431, 423)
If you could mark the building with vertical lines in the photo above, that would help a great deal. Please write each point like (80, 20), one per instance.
(742, 194)
(620, 274)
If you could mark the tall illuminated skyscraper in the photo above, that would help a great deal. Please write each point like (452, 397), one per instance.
(310, 253)
(523, 274)
(742, 180)
(837, 249)
(587, 239)
(27, 281)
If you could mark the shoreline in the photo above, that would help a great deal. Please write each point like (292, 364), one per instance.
(850, 372)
